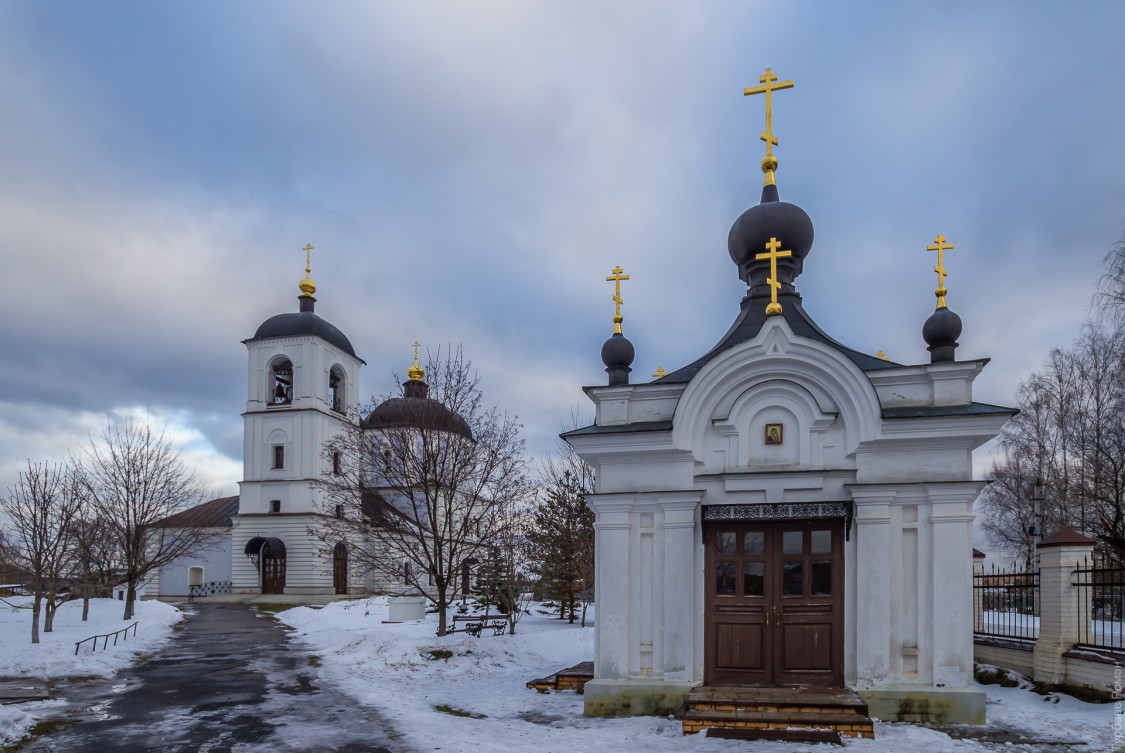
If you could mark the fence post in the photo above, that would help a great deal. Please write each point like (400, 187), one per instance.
(978, 602)
(1059, 620)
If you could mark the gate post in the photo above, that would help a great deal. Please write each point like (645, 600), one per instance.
(1059, 618)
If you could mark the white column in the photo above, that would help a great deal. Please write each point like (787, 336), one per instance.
(872, 621)
(1059, 617)
(951, 518)
(611, 585)
(681, 582)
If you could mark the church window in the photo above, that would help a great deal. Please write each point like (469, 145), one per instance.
(336, 390)
(753, 578)
(725, 542)
(195, 576)
(724, 579)
(281, 382)
(793, 579)
(821, 542)
(754, 543)
(821, 584)
(275, 505)
(792, 542)
(335, 464)
(339, 511)
(406, 573)
(278, 461)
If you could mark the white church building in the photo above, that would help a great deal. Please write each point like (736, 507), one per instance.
(786, 512)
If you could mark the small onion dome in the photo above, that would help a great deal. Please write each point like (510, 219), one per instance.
(750, 233)
(416, 410)
(617, 355)
(940, 332)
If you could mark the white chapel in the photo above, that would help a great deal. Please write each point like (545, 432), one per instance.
(786, 512)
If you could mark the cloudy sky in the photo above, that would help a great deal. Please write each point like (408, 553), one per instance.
(470, 172)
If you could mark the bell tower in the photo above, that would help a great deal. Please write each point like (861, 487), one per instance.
(302, 387)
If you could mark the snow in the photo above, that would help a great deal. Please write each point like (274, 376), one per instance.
(54, 657)
(389, 666)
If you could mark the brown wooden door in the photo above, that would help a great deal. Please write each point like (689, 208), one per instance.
(340, 569)
(774, 603)
(273, 573)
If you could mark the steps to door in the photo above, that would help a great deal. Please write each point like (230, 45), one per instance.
(795, 714)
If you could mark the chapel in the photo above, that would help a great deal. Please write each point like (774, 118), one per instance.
(786, 513)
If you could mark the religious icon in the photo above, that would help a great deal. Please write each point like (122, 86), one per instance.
(773, 433)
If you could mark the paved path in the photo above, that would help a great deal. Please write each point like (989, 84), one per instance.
(230, 680)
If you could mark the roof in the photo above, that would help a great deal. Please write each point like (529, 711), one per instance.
(214, 514)
(936, 411)
(637, 426)
(749, 323)
(1066, 537)
(301, 324)
(416, 413)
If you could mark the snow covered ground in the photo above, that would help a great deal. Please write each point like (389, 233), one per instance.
(54, 657)
(476, 698)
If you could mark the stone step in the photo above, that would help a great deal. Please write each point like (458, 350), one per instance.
(783, 735)
(847, 724)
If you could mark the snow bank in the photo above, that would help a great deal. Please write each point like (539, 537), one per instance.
(54, 655)
(476, 698)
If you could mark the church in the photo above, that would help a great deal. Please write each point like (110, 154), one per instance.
(302, 386)
(786, 512)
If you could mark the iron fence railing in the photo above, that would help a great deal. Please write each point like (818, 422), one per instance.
(213, 588)
(123, 632)
(1101, 603)
(1006, 603)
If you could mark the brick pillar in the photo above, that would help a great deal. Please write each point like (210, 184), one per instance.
(978, 603)
(1059, 618)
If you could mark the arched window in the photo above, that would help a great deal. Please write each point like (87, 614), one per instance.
(195, 576)
(336, 392)
(280, 385)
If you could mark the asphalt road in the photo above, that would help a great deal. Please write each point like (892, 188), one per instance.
(229, 680)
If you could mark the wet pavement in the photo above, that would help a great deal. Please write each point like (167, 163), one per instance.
(229, 680)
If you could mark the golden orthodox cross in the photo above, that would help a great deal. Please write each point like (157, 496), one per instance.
(940, 245)
(308, 258)
(616, 279)
(770, 84)
(660, 373)
(773, 255)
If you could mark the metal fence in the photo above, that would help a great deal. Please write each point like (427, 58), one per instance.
(212, 588)
(1101, 603)
(1006, 603)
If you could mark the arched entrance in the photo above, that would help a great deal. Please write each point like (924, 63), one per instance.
(268, 555)
(340, 569)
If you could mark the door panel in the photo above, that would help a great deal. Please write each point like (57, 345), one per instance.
(774, 603)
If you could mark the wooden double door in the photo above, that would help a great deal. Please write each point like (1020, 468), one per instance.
(774, 603)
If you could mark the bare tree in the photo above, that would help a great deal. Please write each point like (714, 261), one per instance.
(96, 560)
(415, 490)
(503, 575)
(1070, 435)
(132, 478)
(42, 506)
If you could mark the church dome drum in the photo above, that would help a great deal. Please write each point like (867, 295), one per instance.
(417, 411)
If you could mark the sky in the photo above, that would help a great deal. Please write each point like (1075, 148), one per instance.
(469, 173)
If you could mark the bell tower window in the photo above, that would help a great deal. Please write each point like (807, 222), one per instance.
(281, 382)
(336, 395)
(278, 457)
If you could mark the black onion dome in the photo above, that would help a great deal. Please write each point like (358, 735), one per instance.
(302, 323)
(416, 411)
(617, 355)
(772, 218)
(940, 332)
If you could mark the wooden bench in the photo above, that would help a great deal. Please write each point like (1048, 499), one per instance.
(473, 624)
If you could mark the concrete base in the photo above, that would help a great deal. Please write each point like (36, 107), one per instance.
(260, 599)
(406, 609)
(635, 697)
(925, 704)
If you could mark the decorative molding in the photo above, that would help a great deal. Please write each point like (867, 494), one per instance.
(780, 511)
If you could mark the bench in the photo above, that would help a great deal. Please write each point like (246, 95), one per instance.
(473, 624)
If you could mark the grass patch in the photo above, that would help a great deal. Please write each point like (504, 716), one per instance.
(272, 608)
(314, 660)
(45, 727)
(447, 709)
(79, 679)
(435, 654)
